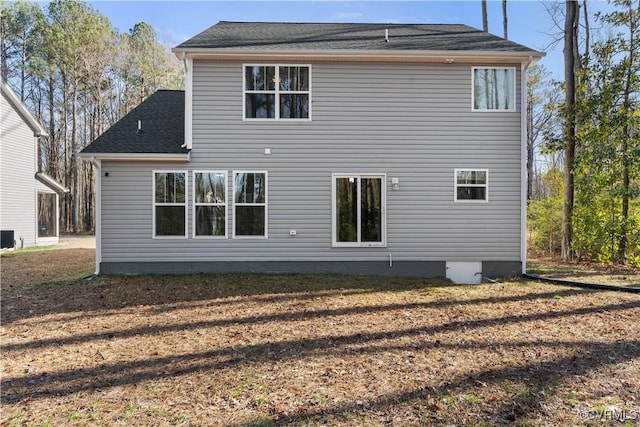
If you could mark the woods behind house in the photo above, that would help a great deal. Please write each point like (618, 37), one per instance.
(78, 75)
(584, 139)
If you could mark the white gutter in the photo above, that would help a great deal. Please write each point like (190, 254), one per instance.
(188, 102)
(51, 183)
(358, 55)
(98, 206)
(139, 157)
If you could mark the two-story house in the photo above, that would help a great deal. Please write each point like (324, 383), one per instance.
(323, 148)
(29, 198)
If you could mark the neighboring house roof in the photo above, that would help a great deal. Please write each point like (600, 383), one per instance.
(154, 127)
(281, 36)
(51, 183)
(31, 121)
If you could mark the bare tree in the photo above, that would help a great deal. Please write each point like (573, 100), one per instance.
(504, 20)
(485, 17)
(587, 33)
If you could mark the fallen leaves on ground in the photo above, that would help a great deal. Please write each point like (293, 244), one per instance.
(250, 350)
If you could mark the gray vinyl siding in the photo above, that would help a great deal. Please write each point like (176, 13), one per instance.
(412, 121)
(17, 182)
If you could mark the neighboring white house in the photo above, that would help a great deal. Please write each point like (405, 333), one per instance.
(29, 199)
(334, 148)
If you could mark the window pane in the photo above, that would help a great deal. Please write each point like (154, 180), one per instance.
(294, 106)
(347, 209)
(472, 193)
(494, 89)
(250, 188)
(260, 106)
(250, 220)
(170, 187)
(161, 187)
(463, 177)
(371, 209)
(210, 187)
(170, 221)
(471, 177)
(47, 226)
(210, 221)
(260, 78)
(294, 78)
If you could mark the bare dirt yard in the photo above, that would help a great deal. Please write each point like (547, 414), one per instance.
(250, 350)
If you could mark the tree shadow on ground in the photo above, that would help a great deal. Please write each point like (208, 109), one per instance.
(86, 298)
(540, 374)
(539, 378)
(267, 318)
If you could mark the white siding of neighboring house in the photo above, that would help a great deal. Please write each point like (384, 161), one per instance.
(409, 121)
(18, 186)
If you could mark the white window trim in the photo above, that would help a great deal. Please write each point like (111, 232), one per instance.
(265, 204)
(334, 229)
(456, 185)
(276, 92)
(226, 204)
(185, 204)
(473, 90)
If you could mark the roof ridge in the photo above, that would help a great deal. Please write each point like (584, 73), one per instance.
(346, 23)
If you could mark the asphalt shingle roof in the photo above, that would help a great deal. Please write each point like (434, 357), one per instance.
(162, 119)
(321, 36)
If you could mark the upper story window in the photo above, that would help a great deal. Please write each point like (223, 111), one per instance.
(471, 185)
(170, 203)
(277, 92)
(494, 89)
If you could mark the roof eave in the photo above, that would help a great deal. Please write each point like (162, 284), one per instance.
(443, 56)
(51, 183)
(138, 157)
(31, 121)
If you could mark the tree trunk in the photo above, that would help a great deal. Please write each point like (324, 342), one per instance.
(504, 20)
(570, 32)
(74, 159)
(530, 142)
(23, 58)
(485, 18)
(4, 68)
(626, 136)
(52, 161)
(587, 33)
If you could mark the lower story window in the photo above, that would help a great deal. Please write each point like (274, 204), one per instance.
(170, 203)
(210, 206)
(471, 185)
(358, 210)
(250, 204)
(47, 215)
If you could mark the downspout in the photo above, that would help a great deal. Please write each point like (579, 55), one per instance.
(98, 207)
(188, 100)
(523, 163)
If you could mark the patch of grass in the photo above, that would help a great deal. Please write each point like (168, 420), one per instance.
(129, 412)
(473, 399)
(27, 251)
